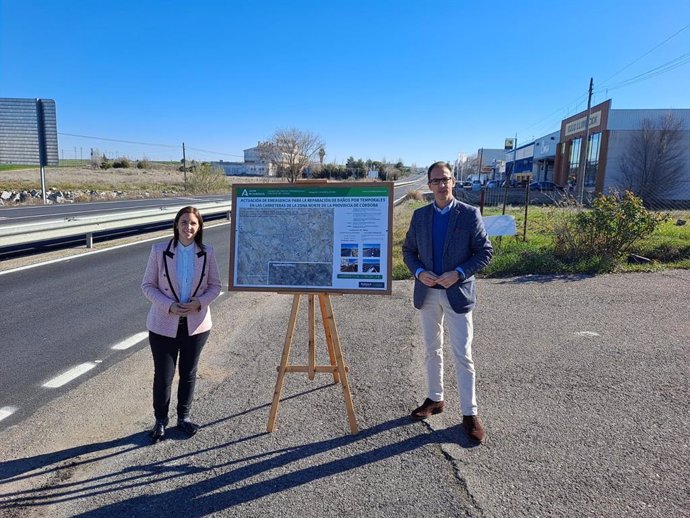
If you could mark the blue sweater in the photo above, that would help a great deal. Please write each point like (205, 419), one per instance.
(440, 227)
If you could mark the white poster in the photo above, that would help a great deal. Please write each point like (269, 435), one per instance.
(312, 237)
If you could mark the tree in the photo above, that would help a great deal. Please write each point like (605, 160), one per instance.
(356, 168)
(290, 151)
(331, 171)
(96, 158)
(389, 172)
(654, 165)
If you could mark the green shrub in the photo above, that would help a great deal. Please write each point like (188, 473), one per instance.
(144, 163)
(105, 163)
(606, 232)
(122, 163)
(206, 179)
(665, 251)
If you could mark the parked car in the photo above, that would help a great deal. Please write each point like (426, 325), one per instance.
(544, 186)
(467, 185)
(493, 184)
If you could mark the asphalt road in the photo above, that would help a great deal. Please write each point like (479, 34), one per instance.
(17, 215)
(62, 315)
(583, 387)
(70, 315)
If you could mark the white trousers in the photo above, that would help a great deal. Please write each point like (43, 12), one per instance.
(435, 310)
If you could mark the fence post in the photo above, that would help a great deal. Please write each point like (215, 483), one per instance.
(524, 227)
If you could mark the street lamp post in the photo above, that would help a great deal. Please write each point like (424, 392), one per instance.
(322, 153)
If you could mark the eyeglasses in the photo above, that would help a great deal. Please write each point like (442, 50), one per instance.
(438, 181)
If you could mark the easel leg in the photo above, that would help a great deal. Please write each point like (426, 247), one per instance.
(329, 335)
(283, 364)
(340, 363)
(312, 337)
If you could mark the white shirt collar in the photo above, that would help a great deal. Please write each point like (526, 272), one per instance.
(446, 208)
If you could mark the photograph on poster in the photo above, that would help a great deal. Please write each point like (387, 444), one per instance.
(371, 250)
(326, 237)
(348, 265)
(349, 250)
(371, 265)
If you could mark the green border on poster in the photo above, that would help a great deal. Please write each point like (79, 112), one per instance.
(275, 196)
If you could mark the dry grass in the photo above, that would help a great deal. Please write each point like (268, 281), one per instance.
(160, 179)
(401, 222)
(66, 178)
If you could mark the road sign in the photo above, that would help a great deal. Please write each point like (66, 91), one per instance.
(28, 132)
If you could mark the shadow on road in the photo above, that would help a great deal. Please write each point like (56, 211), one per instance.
(214, 492)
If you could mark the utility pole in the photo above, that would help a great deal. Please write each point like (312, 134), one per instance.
(584, 145)
(184, 166)
(481, 154)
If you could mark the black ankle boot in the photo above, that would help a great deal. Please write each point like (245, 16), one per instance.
(187, 427)
(158, 430)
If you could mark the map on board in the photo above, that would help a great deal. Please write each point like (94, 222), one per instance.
(285, 247)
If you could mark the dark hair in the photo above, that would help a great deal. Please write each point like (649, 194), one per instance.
(440, 164)
(199, 237)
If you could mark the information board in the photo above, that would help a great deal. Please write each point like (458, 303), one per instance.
(312, 237)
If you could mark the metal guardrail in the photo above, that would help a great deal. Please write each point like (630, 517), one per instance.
(12, 235)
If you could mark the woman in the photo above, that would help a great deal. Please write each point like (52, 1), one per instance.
(181, 281)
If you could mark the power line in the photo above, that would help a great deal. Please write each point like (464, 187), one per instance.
(661, 69)
(118, 140)
(550, 116)
(645, 54)
(656, 71)
(173, 146)
(214, 152)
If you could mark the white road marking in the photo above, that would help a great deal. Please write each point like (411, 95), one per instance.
(68, 376)
(131, 341)
(587, 333)
(71, 214)
(7, 411)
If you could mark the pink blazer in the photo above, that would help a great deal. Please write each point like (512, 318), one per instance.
(161, 288)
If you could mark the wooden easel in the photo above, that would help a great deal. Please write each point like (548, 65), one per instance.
(337, 364)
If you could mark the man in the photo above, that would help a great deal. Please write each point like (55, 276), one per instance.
(445, 246)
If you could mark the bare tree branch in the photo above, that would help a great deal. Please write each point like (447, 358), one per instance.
(653, 166)
(291, 151)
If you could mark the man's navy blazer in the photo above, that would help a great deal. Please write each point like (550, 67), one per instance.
(467, 245)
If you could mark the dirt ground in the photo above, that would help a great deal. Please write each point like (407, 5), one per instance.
(59, 177)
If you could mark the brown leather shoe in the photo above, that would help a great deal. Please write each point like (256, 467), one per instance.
(427, 409)
(474, 427)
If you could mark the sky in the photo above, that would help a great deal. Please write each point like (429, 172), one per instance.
(409, 80)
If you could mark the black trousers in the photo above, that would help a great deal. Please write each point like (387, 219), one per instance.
(165, 352)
